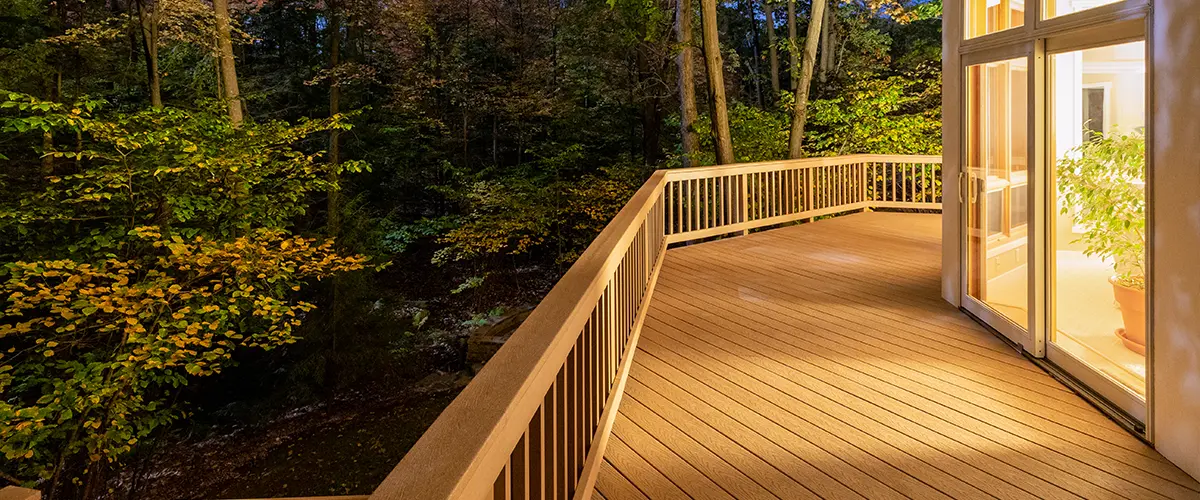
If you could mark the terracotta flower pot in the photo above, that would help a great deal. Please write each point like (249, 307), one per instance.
(1133, 311)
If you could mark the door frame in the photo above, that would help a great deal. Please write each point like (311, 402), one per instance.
(1026, 338)
(1111, 24)
(1117, 394)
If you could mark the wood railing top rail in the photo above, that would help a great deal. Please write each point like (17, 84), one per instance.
(476, 433)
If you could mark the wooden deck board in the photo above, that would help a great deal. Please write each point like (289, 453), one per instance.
(820, 361)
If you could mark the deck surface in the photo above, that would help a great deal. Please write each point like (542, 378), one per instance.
(819, 361)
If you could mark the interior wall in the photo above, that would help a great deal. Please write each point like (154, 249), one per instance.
(952, 28)
(1175, 198)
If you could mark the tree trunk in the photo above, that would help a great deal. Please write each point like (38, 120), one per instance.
(793, 47)
(715, 67)
(651, 107)
(800, 115)
(826, 47)
(687, 84)
(772, 49)
(228, 69)
(754, 66)
(148, 18)
(333, 195)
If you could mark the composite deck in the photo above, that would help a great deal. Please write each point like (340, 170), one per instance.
(819, 361)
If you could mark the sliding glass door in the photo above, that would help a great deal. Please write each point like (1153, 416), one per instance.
(1070, 283)
(1097, 243)
(996, 170)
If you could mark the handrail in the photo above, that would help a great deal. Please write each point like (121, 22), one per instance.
(532, 413)
(535, 421)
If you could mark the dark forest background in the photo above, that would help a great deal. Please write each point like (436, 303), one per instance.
(244, 242)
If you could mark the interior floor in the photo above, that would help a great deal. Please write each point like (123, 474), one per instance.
(1087, 315)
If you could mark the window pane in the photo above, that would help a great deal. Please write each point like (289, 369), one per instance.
(1055, 8)
(1099, 228)
(990, 16)
(1020, 212)
(996, 163)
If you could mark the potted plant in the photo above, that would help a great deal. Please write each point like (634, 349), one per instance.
(1103, 179)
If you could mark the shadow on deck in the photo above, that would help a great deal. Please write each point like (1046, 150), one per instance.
(819, 361)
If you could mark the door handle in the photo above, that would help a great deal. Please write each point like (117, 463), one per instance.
(961, 174)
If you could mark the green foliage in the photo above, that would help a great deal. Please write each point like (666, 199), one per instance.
(190, 170)
(148, 252)
(889, 115)
(1103, 180)
(542, 207)
(95, 350)
(757, 134)
(892, 115)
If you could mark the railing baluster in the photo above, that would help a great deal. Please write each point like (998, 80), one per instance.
(569, 425)
(537, 453)
(841, 184)
(711, 207)
(561, 438)
(723, 196)
(774, 194)
(519, 470)
(678, 207)
(669, 200)
(743, 206)
(924, 182)
(861, 170)
(892, 166)
(780, 192)
(709, 203)
(549, 444)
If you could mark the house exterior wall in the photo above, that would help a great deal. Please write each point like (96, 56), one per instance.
(1175, 211)
(1173, 109)
(952, 88)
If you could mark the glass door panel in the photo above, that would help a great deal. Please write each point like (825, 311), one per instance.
(1097, 225)
(997, 175)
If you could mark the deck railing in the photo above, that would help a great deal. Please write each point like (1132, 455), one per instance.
(534, 422)
(709, 201)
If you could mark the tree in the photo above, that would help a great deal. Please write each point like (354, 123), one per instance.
(800, 111)
(139, 273)
(793, 45)
(148, 12)
(715, 67)
(772, 47)
(827, 44)
(333, 201)
(687, 84)
(229, 80)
